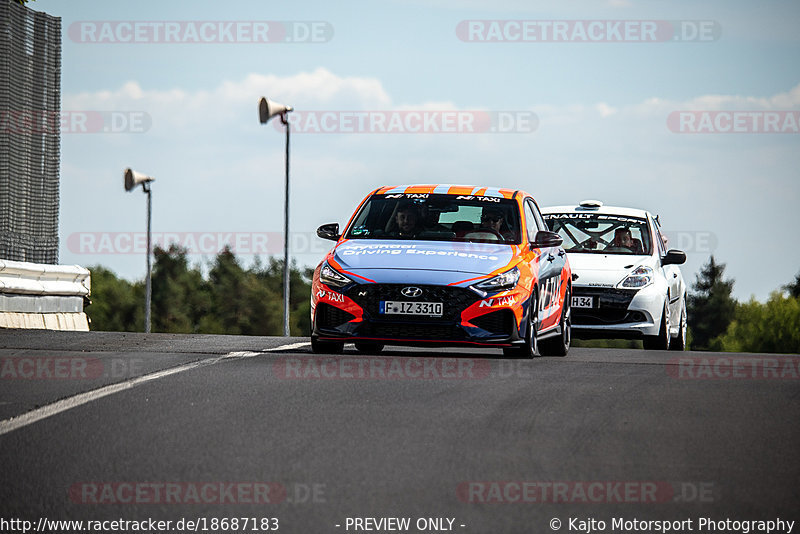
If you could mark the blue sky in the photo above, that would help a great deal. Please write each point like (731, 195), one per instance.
(602, 129)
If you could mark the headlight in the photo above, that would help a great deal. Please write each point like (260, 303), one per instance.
(332, 278)
(506, 280)
(640, 277)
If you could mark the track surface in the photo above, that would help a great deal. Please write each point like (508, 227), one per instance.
(406, 446)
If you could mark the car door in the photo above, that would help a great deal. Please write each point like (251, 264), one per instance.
(672, 275)
(551, 264)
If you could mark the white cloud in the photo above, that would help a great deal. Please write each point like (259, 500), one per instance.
(605, 110)
(789, 100)
(218, 169)
(234, 101)
(303, 90)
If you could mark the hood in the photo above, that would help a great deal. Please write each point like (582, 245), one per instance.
(420, 261)
(604, 270)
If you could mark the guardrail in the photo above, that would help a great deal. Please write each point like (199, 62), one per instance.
(34, 295)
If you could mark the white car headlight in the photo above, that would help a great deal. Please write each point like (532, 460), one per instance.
(640, 277)
(506, 280)
(330, 277)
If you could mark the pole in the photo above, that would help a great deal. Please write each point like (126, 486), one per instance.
(285, 121)
(147, 285)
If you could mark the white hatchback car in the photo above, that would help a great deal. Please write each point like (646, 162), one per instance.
(626, 284)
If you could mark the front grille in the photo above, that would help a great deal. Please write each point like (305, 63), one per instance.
(606, 297)
(412, 331)
(610, 306)
(605, 316)
(331, 317)
(498, 322)
(455, 300)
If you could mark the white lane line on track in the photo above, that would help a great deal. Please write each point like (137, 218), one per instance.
(28, 418)
(62, 405)
(250, 354)
(289, 347)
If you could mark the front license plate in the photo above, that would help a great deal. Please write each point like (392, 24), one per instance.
(582, 302)
(394, 307)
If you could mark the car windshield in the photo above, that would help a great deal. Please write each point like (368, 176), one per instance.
(433, 217)
(600, 233)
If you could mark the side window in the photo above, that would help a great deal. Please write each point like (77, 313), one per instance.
(530, 221)
(662, 248)
(539, 219)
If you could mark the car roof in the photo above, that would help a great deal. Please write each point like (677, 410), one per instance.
(605, 210)
(449, 189)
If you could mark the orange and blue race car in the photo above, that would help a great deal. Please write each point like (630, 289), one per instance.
(443, 265)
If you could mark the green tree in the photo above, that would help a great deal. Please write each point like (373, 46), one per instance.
(770, 327)
(226, 283)
(242, 302)
(299, 293)
(180, 295)
(231, 300)
(794, 287)
(117, 305)
(710, 307)
(300, 319)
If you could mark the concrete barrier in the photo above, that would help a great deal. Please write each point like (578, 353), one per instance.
(43, 296)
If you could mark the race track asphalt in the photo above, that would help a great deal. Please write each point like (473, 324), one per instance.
(495, 445)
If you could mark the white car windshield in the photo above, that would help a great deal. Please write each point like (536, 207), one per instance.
(601, 233)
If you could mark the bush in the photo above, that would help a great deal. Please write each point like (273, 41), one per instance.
(770, 327)
(231, 300)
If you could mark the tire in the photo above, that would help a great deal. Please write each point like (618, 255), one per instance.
(369, 347)
(559, 345)
(530, 348)
(660, 341)
(679, 343)
(326, 347)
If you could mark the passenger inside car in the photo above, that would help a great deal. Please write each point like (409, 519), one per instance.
(493, 219)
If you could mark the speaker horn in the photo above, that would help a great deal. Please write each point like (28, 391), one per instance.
(133, 178)
(268, 109)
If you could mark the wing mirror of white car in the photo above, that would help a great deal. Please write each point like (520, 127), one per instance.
(674, 257)
(546, 239)
(329, 231)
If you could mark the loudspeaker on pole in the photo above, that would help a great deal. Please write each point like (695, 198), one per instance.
(268, 109)
(133, 178)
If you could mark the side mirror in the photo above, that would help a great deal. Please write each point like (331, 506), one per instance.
(329, 231)
(545, 239)
(674, 257)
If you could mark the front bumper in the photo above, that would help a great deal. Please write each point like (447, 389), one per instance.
(618, 313)
(354, 315)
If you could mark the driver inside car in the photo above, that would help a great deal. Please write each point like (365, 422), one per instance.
(408, 221)
(624, 239)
